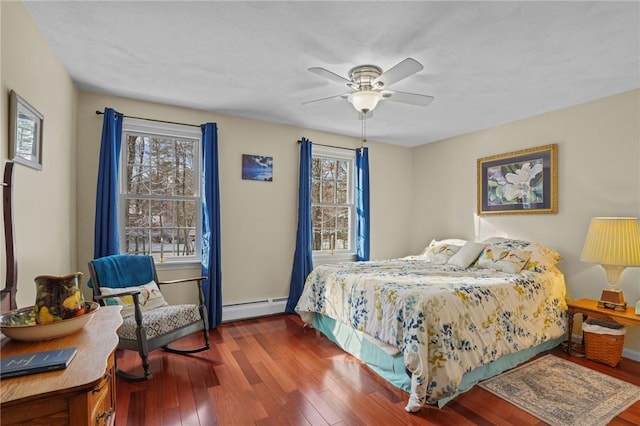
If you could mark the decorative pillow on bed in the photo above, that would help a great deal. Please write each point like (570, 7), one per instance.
(439, 252)
(503, 259)
(542, 258)
(452, 241)
(149, 298)
(467, 254)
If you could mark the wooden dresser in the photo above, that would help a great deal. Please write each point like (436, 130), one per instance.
(82, 394)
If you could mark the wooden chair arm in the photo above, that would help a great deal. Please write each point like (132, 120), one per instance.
(182, 280)
(197, 280)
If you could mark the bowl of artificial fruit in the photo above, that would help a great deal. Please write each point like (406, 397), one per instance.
(20, 324)
(60, 310)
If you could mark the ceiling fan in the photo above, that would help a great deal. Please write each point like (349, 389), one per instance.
(370, 85)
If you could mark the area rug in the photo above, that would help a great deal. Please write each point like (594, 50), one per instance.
(562, 393)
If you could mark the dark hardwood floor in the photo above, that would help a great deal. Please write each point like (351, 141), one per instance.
(272, 371)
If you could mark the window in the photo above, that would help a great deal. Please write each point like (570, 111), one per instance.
(332, 201)
(160, 205)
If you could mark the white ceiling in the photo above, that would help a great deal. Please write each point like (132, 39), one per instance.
(486, 63)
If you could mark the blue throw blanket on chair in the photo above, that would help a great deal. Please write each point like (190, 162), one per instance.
(123, 270)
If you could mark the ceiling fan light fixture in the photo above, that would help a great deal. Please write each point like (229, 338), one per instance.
(364, 100)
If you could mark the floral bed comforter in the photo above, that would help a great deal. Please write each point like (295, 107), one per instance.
(445, 320)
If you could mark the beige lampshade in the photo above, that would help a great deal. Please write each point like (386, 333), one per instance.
(614, 243)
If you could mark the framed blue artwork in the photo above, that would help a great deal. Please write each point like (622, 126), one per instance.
(257, 167)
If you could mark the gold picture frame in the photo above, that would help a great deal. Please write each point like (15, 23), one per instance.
(519, 182)
(25, 132)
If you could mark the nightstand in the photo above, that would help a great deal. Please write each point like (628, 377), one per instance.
(589, 307)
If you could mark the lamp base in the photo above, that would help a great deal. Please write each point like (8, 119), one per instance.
(612, 299)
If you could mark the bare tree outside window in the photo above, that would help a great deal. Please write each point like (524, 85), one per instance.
(161, 196)
(331, 203)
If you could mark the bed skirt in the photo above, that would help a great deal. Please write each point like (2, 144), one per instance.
(391, 366)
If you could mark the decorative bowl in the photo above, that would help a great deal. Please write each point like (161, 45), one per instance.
(20, 324)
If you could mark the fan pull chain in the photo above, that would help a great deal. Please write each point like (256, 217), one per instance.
(364, 130)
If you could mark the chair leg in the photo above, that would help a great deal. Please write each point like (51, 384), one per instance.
(133, 378)
(143, 351)
(206, 337)
(205, 318)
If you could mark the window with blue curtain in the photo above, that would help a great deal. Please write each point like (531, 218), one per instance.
(326, 214)
(333, 204)
(106, 230)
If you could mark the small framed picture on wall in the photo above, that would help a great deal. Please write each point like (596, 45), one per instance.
(257, 167)
(25, 132)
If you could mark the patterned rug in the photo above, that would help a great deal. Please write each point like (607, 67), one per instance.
(562, 393)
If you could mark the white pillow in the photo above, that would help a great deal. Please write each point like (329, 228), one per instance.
(439, 252)
(467, 254)
(503, 259)
(149, 298)
(453, 241)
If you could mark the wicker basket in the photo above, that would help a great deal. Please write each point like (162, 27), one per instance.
(604, 348)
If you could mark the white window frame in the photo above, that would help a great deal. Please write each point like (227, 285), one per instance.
(325, 256)
(152, 128)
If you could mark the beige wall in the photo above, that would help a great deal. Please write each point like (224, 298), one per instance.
(44, 201)
(599, 175)
(258, 219)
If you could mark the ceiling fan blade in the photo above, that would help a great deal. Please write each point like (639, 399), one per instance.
(343, 96)
(323, 72)
(398, 72)
(407, 98)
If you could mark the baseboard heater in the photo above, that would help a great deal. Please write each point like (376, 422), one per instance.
(253, 309)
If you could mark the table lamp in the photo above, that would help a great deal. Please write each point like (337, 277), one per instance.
(614, 243)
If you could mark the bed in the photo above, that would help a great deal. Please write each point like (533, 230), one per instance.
(437, 323)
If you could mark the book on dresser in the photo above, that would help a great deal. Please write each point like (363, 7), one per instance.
(36, 362)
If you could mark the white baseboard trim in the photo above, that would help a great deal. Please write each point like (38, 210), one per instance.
(626, 353)
(253, 309)
(629, 354)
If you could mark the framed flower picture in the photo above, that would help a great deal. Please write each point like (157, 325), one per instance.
(519, 182)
